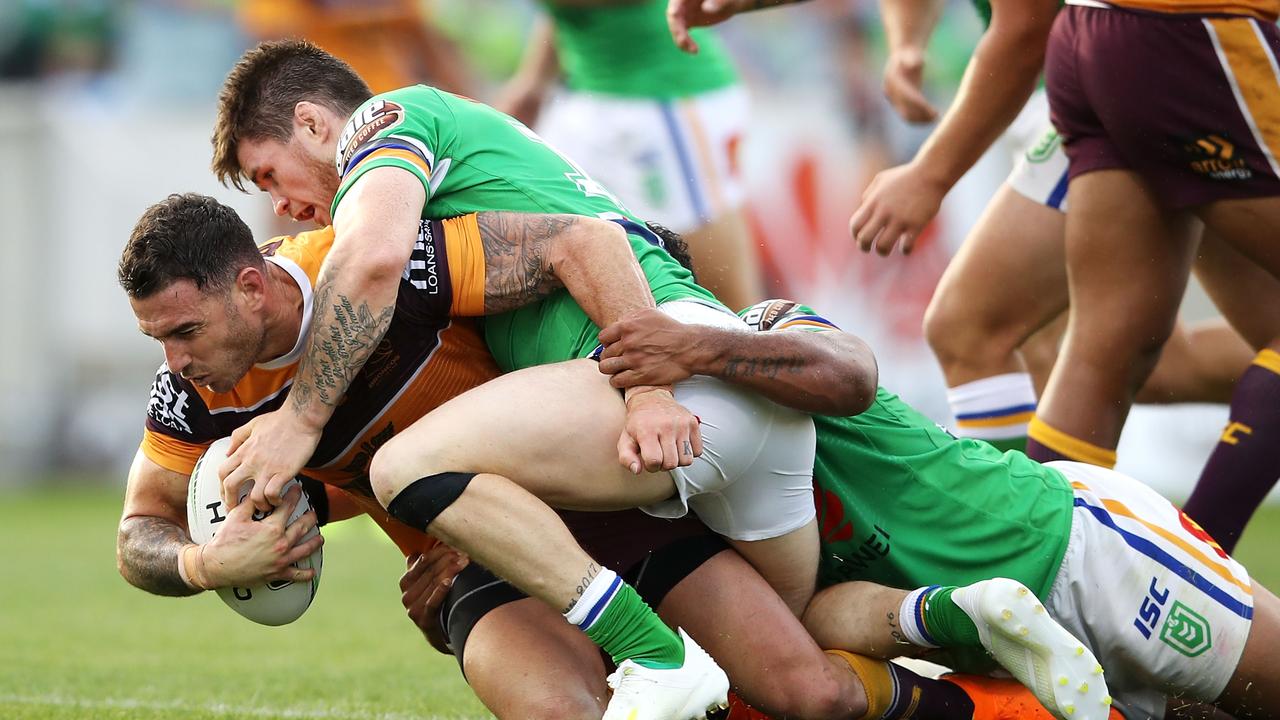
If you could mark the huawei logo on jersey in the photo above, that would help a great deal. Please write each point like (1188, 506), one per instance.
(366, 123)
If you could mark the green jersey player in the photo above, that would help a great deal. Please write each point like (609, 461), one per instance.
(1166, 611)
(659, 127)
(302, 126)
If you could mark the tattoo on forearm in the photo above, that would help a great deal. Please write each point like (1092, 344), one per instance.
(769, 366)
(592, 571)
(148, 549)
(517, 268)
(343, 336)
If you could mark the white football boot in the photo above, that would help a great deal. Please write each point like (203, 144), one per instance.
(688, 692)
(1056, 667)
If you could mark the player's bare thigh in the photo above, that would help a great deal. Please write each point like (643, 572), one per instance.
(525, 662)
(1008, 279)
(553, 429)
(771, 660)
(1254, 689)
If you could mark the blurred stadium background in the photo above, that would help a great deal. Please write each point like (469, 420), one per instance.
(106, 106)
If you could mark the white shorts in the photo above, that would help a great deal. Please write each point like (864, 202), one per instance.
(754, 479)
(1163, 608)
(672, 162)
(1040, 166)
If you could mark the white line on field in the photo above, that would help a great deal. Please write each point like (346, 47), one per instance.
(219, 708)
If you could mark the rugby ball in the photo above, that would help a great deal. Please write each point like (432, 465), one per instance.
(275, 603)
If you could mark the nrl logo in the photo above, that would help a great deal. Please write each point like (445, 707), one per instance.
(364, 125)
(1186, 631)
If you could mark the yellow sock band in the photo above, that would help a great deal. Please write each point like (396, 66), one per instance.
(1269, 359)
(877, 683)
(1068, 446)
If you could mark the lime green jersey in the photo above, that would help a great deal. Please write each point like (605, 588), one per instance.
(627, 50)
(471, 158)
(902, 502)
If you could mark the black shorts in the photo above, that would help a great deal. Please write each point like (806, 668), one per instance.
(653, 561)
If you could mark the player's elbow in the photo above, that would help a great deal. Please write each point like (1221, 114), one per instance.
(589, 241)
(857, 378)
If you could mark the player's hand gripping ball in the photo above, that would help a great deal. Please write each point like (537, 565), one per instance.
(272, 603)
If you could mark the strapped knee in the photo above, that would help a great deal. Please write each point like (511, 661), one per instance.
(425, 498)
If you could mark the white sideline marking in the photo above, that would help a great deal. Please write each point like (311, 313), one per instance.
(219, 708)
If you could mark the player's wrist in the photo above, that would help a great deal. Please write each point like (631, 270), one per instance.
(191, 567)
(648, 392)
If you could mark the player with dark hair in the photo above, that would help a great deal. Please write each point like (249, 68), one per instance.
(904, 503)
(231, 346)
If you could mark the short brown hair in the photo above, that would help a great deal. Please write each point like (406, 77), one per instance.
(186, 237)
(260, 92)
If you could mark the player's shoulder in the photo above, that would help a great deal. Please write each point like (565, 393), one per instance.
(300, 255)
(782, 314)
(403, 113)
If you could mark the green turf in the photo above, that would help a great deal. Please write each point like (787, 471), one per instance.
(77, 642)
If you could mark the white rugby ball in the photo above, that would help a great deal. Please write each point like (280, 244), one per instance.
(275, 603)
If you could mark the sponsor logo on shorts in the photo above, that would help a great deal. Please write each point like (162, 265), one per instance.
(1215, 157)
(364, 125)
(1186, 631)
(1151, 609)
(1045, 147)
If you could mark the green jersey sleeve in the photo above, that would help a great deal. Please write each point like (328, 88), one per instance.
(394, 129)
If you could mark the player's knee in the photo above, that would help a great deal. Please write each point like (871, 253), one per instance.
(957, 337)
(388, 473)
(575, 706)
(804, 693)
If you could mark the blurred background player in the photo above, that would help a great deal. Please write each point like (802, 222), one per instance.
(660, 128)
(997, 315)
(1146, 167)
(390, 43)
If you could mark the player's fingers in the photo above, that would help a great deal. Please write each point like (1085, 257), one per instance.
(653, 451)
(695, 437)
(304, 549)
(273, 492)
(300, 528)
(231, 485)
(679, 27)
(888, 237)
(629, 453)
(866, 238)
(626, 379)
(238, 436)
(611, 334)
(612, 365)
(908, 241)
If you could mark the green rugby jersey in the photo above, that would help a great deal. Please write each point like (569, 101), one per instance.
(627, 50)
(471, 158)
(903, 503)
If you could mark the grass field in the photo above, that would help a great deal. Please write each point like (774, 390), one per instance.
(77, 642)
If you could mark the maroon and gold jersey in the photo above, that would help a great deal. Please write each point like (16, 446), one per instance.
(425, 358)
(1267, 10)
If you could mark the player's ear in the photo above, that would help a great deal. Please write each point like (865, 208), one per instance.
(251, 284)
(308, 120)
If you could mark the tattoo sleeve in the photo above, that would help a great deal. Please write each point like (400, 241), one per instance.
(148, 551)
(518, 268)
(343, 336)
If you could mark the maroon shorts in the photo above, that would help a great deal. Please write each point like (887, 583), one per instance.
(1189, 102)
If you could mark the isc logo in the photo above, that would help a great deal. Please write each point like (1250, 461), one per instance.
(1149, 613)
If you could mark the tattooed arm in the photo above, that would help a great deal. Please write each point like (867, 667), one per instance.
(153, 539)
(374, 233)
(827, 373)
(530, 256)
